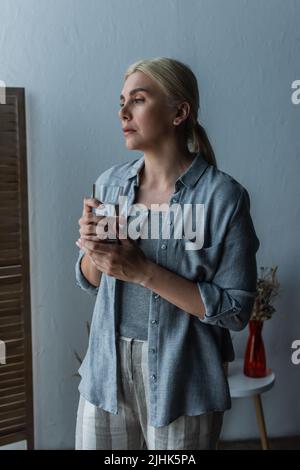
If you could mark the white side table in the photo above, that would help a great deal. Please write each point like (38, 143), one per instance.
(242, 386)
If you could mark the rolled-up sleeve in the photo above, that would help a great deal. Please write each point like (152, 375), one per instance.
(229, 297)
(81, 280)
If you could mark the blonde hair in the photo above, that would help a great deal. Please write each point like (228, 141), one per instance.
(179, 83)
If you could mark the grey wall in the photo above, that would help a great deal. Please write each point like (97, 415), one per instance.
(70, 56)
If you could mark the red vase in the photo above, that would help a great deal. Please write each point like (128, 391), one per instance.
(255, 357)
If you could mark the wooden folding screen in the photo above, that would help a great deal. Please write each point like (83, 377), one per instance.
(16, 391)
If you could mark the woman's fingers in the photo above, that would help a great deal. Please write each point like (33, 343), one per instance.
(99, 247)
(89, 253)
(89, 203)
(93, 238)
(90, 219)
(88, 225)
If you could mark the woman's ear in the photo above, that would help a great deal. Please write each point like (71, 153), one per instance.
(182, 113)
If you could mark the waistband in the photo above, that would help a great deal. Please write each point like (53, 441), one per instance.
(125, 338)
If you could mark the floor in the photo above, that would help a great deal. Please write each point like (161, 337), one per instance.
(283, 443)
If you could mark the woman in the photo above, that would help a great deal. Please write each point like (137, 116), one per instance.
(154, 373)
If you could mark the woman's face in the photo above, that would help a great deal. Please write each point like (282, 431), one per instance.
(146, 112)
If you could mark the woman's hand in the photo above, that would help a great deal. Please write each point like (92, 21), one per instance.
(88, 223)
(124, 261)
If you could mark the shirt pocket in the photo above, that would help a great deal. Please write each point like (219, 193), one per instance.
(198, 264)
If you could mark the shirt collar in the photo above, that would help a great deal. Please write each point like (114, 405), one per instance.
(189, 178)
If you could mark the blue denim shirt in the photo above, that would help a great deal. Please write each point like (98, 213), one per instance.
(185, 353)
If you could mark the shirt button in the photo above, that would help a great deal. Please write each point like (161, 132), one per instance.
(163, 246)
(156, 296)
(153, 350)
(234, 309)
(154, 321)
(153, 377)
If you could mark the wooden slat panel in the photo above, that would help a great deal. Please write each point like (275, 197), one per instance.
(9, 227)
(7, 124)
(17, 335)
(13, 437)
(11, 375)
(8, 429)
(10, 329)
(10, 159)
(9, 164)
(12, 413)
(6, 281)
(12, 324)
(13, 342)
(12, 205)
(12, 420)
(9, 195)
(9, 254)
(9, 220)
(12, 366)
(11, 245)
(10, 311)
(8, 138)
(9, 150)
(10, 260)
(7, 186)
(10, 283)
(8, 319)
(16, 404)
(11, 333)
(12, 236)
(12, 398)
(8, 174)
(14, 347)
(8, 108)
(14, 357)
(11, 383)
(11, 293)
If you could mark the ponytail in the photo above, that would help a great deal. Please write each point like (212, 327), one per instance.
(202, 144)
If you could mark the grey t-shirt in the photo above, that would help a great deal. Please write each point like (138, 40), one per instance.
(133, 300)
